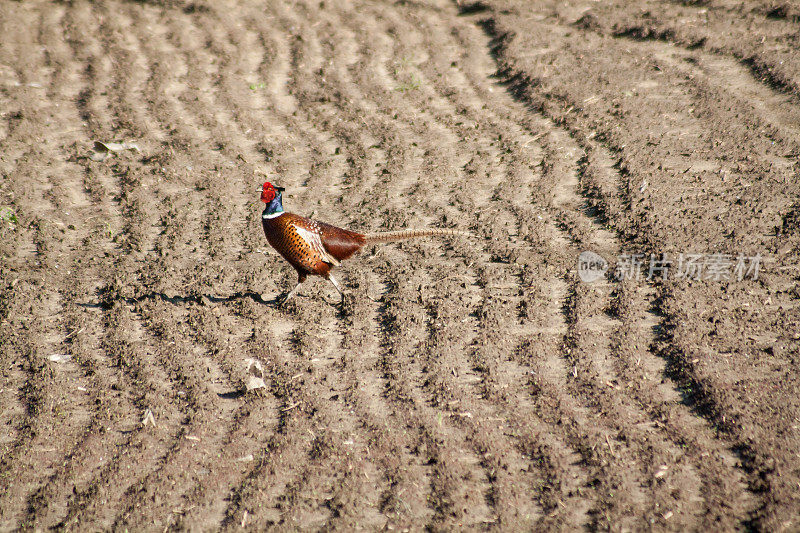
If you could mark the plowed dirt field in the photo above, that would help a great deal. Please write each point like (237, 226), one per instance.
(466, 383)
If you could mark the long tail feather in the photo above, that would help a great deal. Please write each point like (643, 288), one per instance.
(391, 236)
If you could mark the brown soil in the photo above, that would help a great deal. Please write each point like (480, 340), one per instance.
(467, 383)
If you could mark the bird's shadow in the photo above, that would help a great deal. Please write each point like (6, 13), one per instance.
(202, 299)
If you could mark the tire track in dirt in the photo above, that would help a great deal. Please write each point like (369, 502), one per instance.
(715, 83)
(488, 329)
(519, 172)
(709, 477)
(754, 34)
(633, 345)
(729, 459)
(587, 349)
(564, 372)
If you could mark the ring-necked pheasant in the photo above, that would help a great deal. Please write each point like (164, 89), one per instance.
(314, 248)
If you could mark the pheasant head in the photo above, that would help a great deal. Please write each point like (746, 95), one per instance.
(271, 196)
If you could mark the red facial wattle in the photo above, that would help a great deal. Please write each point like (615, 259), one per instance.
(267, 193)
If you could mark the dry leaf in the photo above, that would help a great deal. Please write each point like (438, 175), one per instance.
(102, 150)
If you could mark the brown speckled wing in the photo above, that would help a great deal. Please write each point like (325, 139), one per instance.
(309, 246)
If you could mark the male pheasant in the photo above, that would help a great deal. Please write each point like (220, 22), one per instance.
(314, 248)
